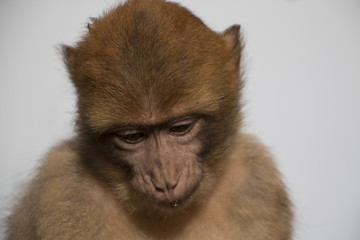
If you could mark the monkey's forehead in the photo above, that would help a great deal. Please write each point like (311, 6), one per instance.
(105, 107)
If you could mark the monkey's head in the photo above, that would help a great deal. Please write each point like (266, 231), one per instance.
(158, 101)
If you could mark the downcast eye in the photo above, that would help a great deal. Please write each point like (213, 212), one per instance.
(132, 136)
(181, 127)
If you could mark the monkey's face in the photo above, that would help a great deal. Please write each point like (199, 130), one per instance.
(164, 158)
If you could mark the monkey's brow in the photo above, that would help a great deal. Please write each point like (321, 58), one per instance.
(146, 126)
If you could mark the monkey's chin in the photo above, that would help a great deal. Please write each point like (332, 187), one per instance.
(175, 204)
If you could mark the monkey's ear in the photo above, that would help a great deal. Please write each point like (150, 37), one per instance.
(69, 58)
(231, 37)
(90, 25)
(68, 54)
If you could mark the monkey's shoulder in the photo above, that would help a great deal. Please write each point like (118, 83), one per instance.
(59, 167)
(62, 173)
(257, 195)
(57, 198)
(253, 160)
(250, 160)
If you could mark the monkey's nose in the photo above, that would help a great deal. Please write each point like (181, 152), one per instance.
(166, 185)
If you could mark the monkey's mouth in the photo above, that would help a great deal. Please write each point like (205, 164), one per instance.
(180, 201)
(175, 203)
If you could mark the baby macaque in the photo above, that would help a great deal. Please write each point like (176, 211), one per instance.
(158, 152)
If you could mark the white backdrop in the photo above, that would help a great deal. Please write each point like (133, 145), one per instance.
(302, 96)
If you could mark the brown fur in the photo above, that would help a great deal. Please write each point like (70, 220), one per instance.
(145, 64)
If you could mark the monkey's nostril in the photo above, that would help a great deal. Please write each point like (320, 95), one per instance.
(159, 189)
(158, 186)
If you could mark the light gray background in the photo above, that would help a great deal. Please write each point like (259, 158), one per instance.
(302, 96)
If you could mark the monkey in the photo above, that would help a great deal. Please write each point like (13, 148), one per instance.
(159, 151)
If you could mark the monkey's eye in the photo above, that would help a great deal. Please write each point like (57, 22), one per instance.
(131, 136)
(181, 127)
